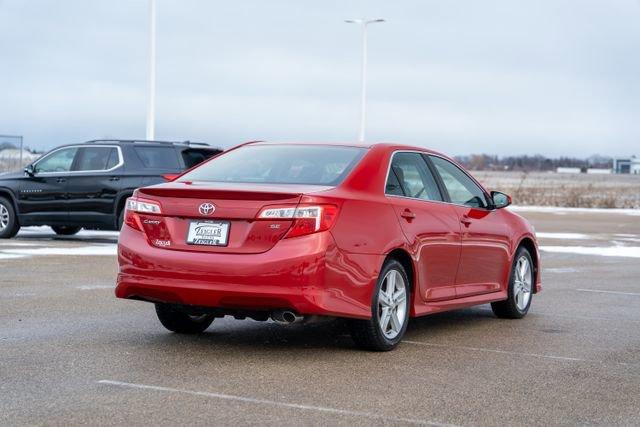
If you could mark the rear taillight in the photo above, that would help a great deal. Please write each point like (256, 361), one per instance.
(135, 206)
(307, 219)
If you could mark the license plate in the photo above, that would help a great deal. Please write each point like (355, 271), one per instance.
(208, 233)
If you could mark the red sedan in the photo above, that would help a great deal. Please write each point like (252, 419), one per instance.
(373, 233)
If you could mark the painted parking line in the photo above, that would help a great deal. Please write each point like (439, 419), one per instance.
(491, 350)
(256, 401)
(572, 316)
(635, 294)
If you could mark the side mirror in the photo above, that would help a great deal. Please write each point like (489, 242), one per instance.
(500, 200)
(30, 170)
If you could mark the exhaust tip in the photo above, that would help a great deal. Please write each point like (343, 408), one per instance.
(286, 317)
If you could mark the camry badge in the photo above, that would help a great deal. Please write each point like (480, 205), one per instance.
(206, 209)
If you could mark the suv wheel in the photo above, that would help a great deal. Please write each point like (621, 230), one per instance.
(65, 230)
(389, 311)
(9, 226)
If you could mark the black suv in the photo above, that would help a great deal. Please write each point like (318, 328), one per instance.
(86, 185)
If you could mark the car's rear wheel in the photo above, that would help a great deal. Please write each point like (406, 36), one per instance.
(65, 230)
(520, 289)
(9, 226)
(180, 322)
(389, 311)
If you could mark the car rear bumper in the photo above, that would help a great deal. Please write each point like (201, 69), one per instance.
(308, 274)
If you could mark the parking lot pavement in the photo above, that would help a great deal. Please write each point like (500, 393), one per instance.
(70, 353)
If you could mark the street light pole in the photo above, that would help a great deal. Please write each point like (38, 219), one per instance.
(151, 96)
(364, 23)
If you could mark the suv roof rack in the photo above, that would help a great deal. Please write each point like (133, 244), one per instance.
(133, 141)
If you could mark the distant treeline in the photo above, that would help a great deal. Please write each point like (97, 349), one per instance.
(531, 163)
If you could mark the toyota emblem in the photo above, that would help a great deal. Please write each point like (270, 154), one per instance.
(207, 209)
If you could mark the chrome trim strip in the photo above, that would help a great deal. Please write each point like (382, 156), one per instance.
(45, 174)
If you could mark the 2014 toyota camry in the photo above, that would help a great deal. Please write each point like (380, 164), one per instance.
(375, 233)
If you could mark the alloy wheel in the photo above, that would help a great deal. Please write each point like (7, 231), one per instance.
(4, 217)
(522, 283)
(392, 304)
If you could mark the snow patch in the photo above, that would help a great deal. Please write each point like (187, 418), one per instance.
(10, 256)
(564, 211)
(567, 236)
(560, 270)
(93, 287)
(101, 250)
(611, 251)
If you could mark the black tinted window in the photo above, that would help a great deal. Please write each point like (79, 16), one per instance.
(280, 164)
(462, 190)
(414, 176)
(193, 157)
(95, 158)
(158, 157)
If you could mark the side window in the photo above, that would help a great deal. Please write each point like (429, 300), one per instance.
(414, 177)
(114, 159)
(462, 190)
(155, 157)
(59, 161)
(393, 185)
(95, 158)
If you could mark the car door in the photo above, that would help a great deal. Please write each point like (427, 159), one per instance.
(431, 226)
(484, 258)
(93, 185)
(42, 196)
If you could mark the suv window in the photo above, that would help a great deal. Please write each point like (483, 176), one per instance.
(96, 158)
(462, 189)
(114, 159)
(157, 157)
(193, 157)
(410, 172)
(58, 161)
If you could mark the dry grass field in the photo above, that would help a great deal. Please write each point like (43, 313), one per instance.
(566, 190)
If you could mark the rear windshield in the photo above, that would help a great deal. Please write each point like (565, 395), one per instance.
(280, 164)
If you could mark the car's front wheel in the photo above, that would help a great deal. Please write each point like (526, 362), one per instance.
(9, 226)
(520, 289)
(180, 322)
(65, 230)
(389, 311)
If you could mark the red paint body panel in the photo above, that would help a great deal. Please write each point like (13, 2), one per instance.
(455, 264)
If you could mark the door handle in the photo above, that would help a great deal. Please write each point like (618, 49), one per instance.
(61, 180)
(408, 215)
(114, 178)
(466, 220)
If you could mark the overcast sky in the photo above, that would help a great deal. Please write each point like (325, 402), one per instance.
(554, 77)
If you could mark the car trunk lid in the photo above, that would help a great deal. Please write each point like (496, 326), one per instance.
(220, 213)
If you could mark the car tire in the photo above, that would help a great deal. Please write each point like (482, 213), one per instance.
(520, 291)
(389, 311)
(180, 322)
(9, 225)
(65, 230)
(121, 219)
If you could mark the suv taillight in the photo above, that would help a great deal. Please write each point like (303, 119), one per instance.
(307, 219)
(134, 206)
